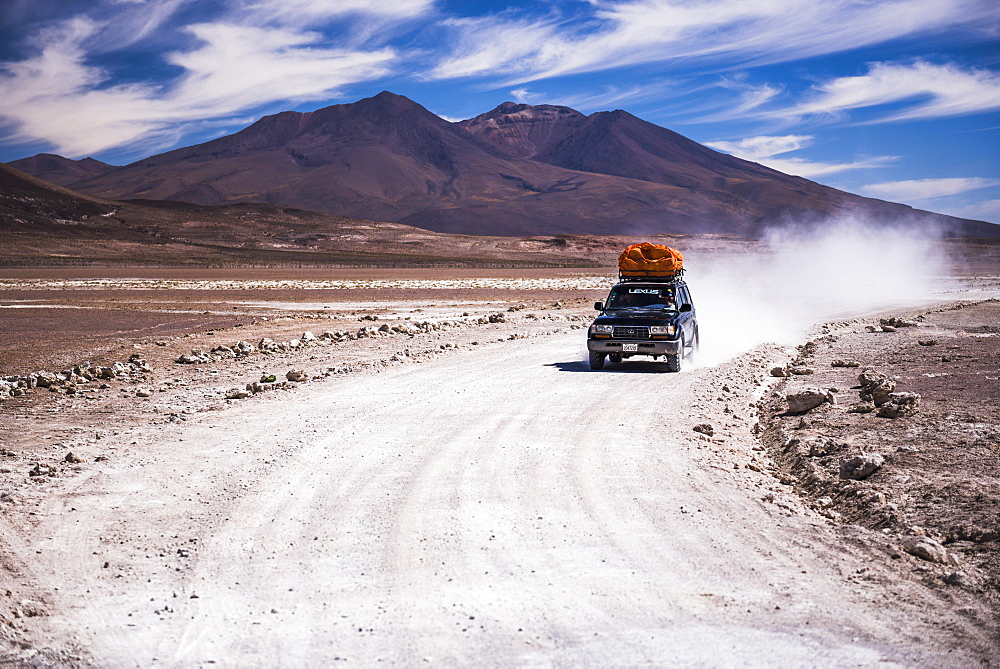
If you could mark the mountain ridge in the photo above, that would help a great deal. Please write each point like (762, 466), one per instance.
(515, 170)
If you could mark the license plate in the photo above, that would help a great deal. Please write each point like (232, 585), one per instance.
(630, 347)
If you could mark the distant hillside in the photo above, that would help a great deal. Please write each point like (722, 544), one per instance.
(61, 171)
(45, 224)
(26, 200)
(516, 170)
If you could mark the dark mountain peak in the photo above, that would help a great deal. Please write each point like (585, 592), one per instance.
(523, 130)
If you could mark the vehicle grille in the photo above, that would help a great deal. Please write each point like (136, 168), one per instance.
(630, 332)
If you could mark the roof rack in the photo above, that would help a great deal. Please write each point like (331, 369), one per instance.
(653, 276)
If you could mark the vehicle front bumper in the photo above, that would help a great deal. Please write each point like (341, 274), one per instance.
(645, 346)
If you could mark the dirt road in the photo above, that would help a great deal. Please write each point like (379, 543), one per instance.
(499, 506)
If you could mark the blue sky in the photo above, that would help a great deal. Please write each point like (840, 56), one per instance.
(895, 99)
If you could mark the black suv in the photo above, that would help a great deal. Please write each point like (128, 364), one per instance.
(644, 317)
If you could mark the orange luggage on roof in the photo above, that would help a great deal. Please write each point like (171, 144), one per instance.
(652, 260)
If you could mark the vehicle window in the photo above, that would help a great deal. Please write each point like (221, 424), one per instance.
(634, 297)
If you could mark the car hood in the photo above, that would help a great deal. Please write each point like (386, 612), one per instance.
(636, 316)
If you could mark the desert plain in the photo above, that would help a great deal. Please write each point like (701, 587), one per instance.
(417, 467)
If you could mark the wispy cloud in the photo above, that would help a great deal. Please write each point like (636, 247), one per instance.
(229, 68)
(987, 210)
(517, 48)
(765, 148)
(926, 189)
(605, 97)
(929, 90)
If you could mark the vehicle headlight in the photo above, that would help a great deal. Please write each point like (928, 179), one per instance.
(602, 329)
(661, 329)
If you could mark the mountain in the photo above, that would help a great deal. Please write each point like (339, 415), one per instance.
(27, 201)
(61, 171)
(45, 224)
(516, 170)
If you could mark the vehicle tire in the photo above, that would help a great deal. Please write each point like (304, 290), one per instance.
(696, 344)
(615, 357)
(596, 360)
(674, 359)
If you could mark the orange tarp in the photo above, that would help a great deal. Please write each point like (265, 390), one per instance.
(650, 260)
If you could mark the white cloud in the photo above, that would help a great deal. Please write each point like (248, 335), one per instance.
(240, 66)
(304, 11)
(931, 91)
(925, 189)
(524, 96)
(987, 210)
(763, 150)
(755, 148)
(644, 31)
(233, 69)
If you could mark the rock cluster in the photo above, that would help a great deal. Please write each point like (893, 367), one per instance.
(875, 387)
(268, 382)
(876, 393)
(69, 381)
(243, 349)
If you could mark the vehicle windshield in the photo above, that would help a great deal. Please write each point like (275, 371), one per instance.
(642, 297)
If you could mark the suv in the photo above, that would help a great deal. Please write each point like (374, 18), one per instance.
(644, 317)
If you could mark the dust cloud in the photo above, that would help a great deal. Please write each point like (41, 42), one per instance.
(802, 277)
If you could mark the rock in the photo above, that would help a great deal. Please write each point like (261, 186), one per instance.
(860, 467)
(40, 469)
(308, 338)
(821, 447)
(237, 394)
(779, 371)
(958, 578)
(897, 323)
(297, 375)
(861, 407)
(705, 429)
(875, 386)
(926, 548)
(72, 459)
(801, 371)
(927, 342)
(808, 399)
(845, 363)
(143, 392)
(900, 405)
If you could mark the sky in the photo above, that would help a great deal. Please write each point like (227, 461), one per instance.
(893, 99)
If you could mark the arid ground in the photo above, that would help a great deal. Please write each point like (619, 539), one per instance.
(455, 487)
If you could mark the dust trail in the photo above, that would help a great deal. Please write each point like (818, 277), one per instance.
(839, 270)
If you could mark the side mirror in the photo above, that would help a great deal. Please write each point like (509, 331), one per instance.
(599, 306)
(685, 308)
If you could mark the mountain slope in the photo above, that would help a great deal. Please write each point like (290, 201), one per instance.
(517, 170)
(61, 171)
(27, 201)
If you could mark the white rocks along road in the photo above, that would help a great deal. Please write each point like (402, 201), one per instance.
(500, 506)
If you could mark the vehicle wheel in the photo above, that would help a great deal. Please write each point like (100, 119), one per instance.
(696, 344)
(596, 360)
(674, 359)
(615, 357)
